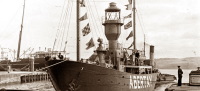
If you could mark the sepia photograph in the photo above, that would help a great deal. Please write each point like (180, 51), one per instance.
(99, 45)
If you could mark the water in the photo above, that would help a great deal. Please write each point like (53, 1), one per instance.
(186, 72)
(12, 81)
(185, 78)
(36, 86)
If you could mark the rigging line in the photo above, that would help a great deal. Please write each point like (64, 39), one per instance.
(100, 21)
(96, 22)
(10, 34)
(92, 16)
(11, 20)
(126, 31)
(61, 28)
(67, 23)
(58, 25)
(63, 19)
(90, 19)
(143, 28)
(65, 14)
(62, 14)
(140, 22)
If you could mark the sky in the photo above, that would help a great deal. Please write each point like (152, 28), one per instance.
(172, 26)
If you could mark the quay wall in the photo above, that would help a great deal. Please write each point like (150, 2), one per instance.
(22, 77)
(9, 78)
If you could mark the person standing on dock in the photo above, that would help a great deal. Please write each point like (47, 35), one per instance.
(180, 72)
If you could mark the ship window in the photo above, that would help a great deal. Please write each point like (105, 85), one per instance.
(132, 70)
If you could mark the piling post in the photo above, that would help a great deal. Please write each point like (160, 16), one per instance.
(31, 62)
(40, 77)
(24, 77)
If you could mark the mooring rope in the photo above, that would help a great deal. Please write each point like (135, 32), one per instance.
(51, 65)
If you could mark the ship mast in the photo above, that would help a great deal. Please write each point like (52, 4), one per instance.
(134, 27)
(78, 27)
(20, 34)
(144, 45)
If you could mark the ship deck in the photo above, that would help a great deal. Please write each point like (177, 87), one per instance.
(184, 87)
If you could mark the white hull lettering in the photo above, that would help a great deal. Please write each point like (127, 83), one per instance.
(137, 82)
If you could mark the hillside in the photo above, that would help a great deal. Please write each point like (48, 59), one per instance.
(172, 63)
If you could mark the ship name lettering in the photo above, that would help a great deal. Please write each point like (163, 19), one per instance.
(137, 82)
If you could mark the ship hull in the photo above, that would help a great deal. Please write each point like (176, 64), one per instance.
(76, 76)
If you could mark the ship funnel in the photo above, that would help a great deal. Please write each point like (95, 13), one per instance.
(152, 55)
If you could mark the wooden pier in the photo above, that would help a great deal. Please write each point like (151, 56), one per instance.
(34, 77)
(22, 77)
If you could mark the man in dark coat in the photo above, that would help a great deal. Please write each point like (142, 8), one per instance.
(60, 56)
(137, 56)
(180, 72)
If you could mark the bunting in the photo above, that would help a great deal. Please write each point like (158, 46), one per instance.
(130, 46)
(128, 6)
(128, 25)
(128, 16)
(82, 2)
(90, 44)
(86, 30)
(83, 17)
(130, 35)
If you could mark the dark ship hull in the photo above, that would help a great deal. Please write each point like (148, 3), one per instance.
(76, 76)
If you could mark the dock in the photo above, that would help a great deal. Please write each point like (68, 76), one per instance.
(22, 77)
(184, 87)
(24, 81)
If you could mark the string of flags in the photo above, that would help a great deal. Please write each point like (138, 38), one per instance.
(128, 16)
(82, 2)
(84, 17)
(90, 44)
(130, 35)
(86, 30)
(128, 6)
(130, 46)
(128, 25)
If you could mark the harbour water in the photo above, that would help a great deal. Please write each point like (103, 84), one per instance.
(12, 81)
(47, 85)
(36, 86)
(185, 78)
(186, 73)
